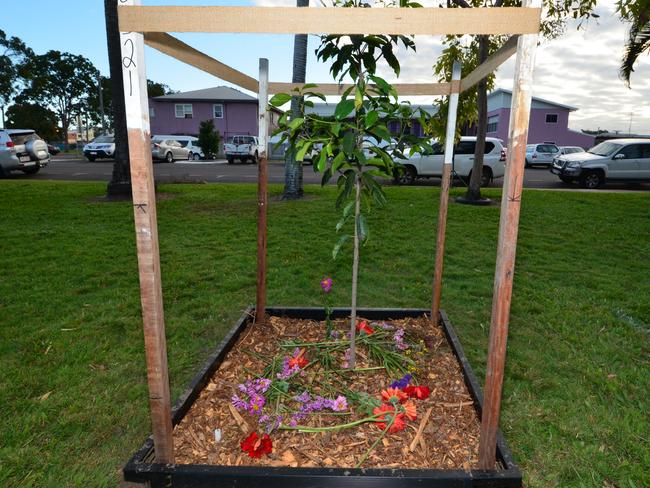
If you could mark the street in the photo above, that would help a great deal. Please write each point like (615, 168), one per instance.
(78, 169)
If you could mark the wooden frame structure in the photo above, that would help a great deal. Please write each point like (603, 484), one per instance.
(149, 25)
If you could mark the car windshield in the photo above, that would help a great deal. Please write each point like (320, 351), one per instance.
(183, 143)
(105, 139)
(605, 148)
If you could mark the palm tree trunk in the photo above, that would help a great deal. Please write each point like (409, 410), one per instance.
(120, 183)
(292, 168)
(474, 189)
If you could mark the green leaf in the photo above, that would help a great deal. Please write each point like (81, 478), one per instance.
(362, 228)
(338, 161)
(343, 109)
(371, 118)
(344, 238)
(279, 99)
(349, 142)
(295, 123)
(358, 98)
(322, 161)
(300, 155)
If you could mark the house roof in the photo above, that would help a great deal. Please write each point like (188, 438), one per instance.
(217, 93)
(500, 98)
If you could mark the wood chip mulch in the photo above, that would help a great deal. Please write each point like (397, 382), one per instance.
(449, 437)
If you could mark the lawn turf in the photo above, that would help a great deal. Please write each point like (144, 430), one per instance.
(73, 385)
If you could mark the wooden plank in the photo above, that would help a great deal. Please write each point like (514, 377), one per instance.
(262, 177)
(296, 20)
(183, 52)
(146, 231)
(492, 63)
(507, 244)
(403, 89)
(444, 196)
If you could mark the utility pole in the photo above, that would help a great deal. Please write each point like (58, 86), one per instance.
(2, 108)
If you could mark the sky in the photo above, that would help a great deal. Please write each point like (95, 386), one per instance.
(579, 69)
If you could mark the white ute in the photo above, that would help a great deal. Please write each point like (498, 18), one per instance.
(244, 148)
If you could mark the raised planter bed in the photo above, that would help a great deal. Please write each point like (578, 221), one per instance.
(141, 467)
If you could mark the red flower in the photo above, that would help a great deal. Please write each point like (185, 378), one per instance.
(364, 327)
(393, 395)
(389, 412)
(298, 360)
(256, 446)
(419, 392)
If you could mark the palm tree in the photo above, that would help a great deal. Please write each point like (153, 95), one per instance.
(120, 183)
(292, 168)
(638, 42)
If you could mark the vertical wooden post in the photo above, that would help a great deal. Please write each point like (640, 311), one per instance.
(507, 244)
(146, 231)
(262, 177)
(444, 191)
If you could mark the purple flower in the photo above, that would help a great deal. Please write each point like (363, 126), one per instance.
(339, 404)
(293, 422)
(256, 404)
(326, 284)
(386, 326)
(238, 403)
(304, 397)
(402, 383)
(287, 371)
(398, 337)
(261, 385)
(335, 334)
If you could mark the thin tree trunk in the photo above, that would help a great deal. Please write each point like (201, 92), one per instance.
(120, 183)
(293, 169)
(474, 189)
(355, 272)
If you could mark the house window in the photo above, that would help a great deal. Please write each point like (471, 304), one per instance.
(493, 123)
(551, 118)
(152, 112)
(217, 110)
(183, 110)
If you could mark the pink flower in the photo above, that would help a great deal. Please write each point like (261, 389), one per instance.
(326, 284)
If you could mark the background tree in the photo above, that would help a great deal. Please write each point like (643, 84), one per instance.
(155, 89)
(292, 169)
(209, 139)
(33, 116)
(13, 52)
(60, 81)
(638, 39)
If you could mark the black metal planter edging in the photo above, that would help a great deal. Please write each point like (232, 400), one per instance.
(141, 467)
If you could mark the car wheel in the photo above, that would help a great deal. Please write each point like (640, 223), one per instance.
(190, 157)
(169, 157)
(527, 164)
(592, 180)
(406, 176)
(90, 158)
(255, 159)
(230, 160)
(33, 170)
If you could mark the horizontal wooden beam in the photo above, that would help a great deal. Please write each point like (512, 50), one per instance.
(183, 52)
(296, 20)
(500, 56)
(403, 89)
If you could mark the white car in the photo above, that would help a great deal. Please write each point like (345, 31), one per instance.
(541, 154)
(244, 148)
(430, 164)
(191, 144)
(100, 147)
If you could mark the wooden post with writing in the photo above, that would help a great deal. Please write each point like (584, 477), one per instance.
(507, 244)
(262, 197)
(444, 192)
(146, 231)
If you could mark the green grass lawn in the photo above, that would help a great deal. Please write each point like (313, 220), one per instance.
(72, 382)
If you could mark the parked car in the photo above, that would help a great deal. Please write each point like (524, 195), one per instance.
(53, 150)
(168, 148)
(615, 159)
(541, 154)
(191, 144)
(101, 147)
(244, 148)
(22, 150)
(430, 164)
(570, 150)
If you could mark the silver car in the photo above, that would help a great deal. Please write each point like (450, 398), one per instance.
(166, 148)
(22, 150)
(541, 154)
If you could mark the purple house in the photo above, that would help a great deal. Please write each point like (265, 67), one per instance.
(549, 121)
(233, 112)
